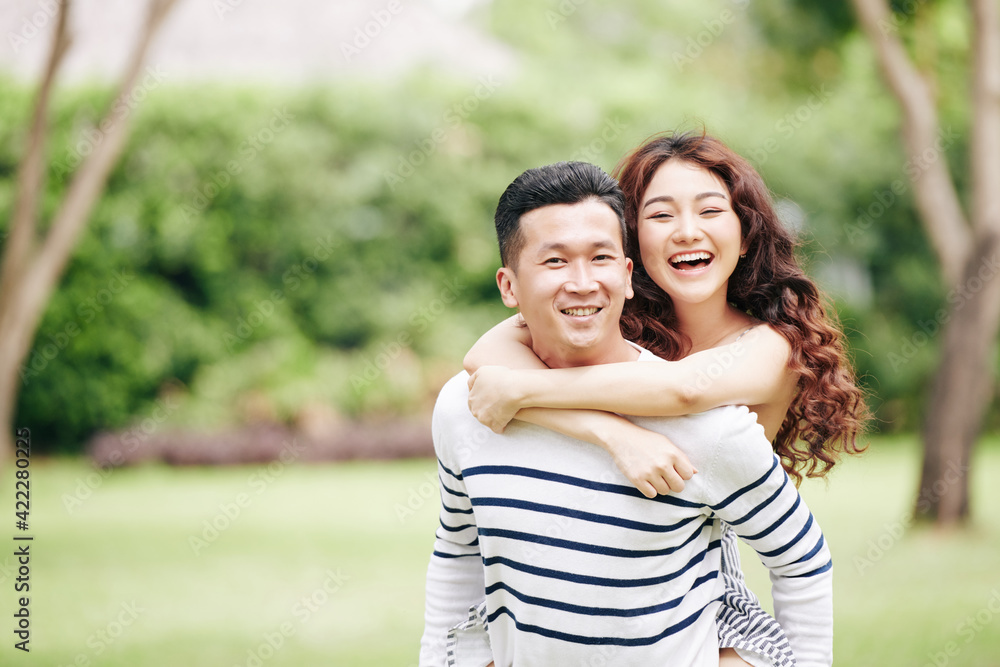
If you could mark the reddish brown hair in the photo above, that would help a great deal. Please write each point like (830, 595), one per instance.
(828, 411)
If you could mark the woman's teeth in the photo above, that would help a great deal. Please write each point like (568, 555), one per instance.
(580, 312)
(690, 260)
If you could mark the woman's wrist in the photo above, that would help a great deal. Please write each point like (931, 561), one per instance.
(535, 389)
(523, 389)
(607, 431)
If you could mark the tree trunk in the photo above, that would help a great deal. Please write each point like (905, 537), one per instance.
(963, 386)
(31, 266)
(934, 192)
(962, 389)
(966, 250)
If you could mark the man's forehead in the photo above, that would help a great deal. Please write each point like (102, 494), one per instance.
(562, 226)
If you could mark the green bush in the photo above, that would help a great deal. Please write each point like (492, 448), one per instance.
(256, 243)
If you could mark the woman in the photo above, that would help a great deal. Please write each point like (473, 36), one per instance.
(718, 292)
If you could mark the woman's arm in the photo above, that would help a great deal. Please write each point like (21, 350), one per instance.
(649, 460)
(751, 371)
(508, 344)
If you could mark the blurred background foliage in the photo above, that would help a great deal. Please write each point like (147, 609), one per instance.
(264, 248)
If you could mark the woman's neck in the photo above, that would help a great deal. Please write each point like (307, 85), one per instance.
(710, 323)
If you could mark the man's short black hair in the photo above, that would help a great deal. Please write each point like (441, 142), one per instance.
(560, 183)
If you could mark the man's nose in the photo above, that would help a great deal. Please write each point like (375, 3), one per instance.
(582, 278)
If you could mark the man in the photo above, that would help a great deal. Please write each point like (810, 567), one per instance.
(545, 543)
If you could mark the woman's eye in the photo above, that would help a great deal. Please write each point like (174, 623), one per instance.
(711, 210)
(660, 216)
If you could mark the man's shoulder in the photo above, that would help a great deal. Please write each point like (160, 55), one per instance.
(737, 419)
(732, 421)
(706, 429)
(457, 385)
(735, 429)
(453, 399)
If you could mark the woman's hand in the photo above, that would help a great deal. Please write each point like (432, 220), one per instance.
(650, 461)
(493, 398)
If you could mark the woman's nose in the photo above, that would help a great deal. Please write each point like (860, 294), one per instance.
(687, 228)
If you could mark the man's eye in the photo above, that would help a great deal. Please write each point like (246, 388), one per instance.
(554, 260)
(604, 258)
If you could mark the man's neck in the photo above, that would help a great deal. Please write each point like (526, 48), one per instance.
(615, 351)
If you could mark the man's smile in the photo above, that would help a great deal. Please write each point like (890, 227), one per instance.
(585, 311)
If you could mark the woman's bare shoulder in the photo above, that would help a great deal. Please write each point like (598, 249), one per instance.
(766, 340)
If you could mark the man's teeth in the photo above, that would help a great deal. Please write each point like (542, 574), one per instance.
(580, 312)
(691, 257)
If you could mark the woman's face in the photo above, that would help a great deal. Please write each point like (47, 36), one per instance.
(689, 236)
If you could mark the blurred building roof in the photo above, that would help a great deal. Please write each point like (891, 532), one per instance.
(290, 41)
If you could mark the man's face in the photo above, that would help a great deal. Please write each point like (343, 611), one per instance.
(570, 282)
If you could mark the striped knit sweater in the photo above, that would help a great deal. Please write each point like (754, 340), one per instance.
(576, 565)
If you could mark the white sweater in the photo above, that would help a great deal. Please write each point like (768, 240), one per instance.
(576, 565)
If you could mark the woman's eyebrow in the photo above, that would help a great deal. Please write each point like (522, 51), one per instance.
(711, 193)
(697, 197)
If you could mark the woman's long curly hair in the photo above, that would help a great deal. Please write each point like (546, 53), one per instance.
(829, 410)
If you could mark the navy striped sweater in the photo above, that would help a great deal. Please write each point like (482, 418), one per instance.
(576, 565)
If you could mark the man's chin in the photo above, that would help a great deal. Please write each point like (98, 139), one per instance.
(578, 350)
(578, 343)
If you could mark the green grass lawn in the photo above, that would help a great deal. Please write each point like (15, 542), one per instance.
(324, 565)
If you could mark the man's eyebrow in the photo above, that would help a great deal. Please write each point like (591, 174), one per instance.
(697, 197)
(556, 245)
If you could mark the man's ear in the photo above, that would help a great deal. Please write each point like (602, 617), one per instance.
(507, 282)
(629, 265)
